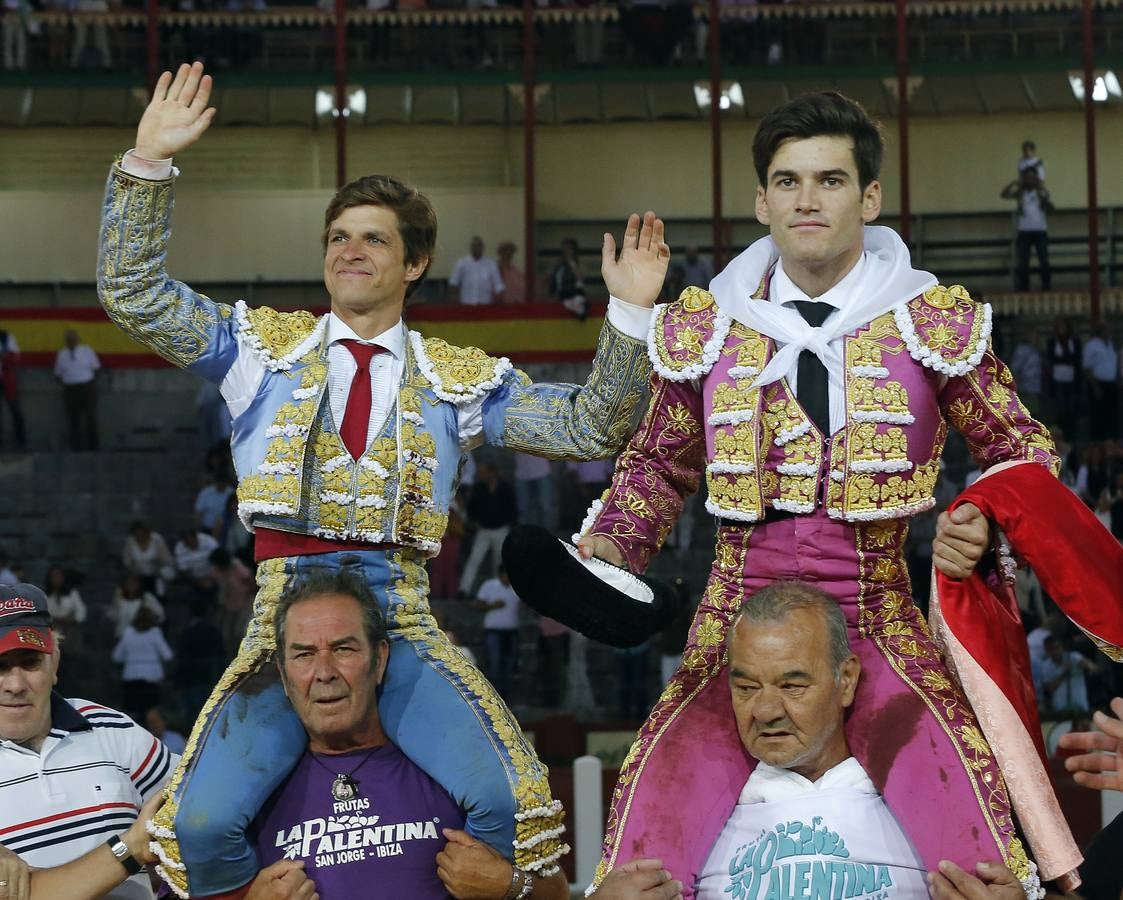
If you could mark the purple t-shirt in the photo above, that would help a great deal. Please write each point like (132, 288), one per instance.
(387, 836)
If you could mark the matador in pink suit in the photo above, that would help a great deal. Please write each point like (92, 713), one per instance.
(813, 387)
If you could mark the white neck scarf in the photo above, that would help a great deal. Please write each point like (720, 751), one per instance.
(769, 784)
(888, 279)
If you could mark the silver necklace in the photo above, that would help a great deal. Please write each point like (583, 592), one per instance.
(345, 786)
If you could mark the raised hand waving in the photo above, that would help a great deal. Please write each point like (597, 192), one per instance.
(177, 115)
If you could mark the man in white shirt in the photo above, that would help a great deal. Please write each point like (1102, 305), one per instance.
(1033, 228)
(500, 604)
(76, 368)
(809, 822)
(73, 774)
(476, 277)
(193, 558)
(1101, 371)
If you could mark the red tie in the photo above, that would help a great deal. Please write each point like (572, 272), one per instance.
(356, 417)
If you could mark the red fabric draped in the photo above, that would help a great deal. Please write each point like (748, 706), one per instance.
(1078, 562)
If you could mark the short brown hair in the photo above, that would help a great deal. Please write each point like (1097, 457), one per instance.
(825, 114)
(417, 222)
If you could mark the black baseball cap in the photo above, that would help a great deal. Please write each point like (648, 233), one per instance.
(25, 619)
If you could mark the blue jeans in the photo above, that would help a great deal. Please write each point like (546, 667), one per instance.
(501, 646)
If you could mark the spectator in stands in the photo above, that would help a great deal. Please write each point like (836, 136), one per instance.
(1033, 227)
(72, 773)
(90, 14)
(534, 491)
(553, 653)
(1059, 676)
(500, 605)
(654, 28)
(696, 269)
(513, 278)
(128, 600)
(157, 721)
(76, 368)
(142, 652)
(14, 15)
(7, 574)
(588, 33)
(236, 540)
(1029, 160)
(147, 556)
(213, 416)
(1100, 362)
(633, 677)
(235, 587)
(1062, 362)
(592, 478)
(672, 639)
(1025, 365)
(193, 559)
(567, 285)
(1093, 475)
(66, 607)
(210, 506)
(475, 277)
(492, 509)
(200, 659)
(9, 386)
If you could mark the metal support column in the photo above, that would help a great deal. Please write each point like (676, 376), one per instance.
(340, 93)
(529, 76)
(151, 44)
(903, 116)
(1090, 150)
(715, 133)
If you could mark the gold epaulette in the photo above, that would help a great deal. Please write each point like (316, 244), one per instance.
(687, 335)
(278, 338)
(945, 329)
(457, 374)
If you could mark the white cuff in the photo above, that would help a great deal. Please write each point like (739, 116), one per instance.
(149, 169)
(632, 320)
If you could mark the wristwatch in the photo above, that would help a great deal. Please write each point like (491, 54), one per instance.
(124, 856)
(522, 885)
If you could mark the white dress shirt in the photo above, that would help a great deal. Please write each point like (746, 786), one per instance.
(76, 366)
(783, 290)
(478, 279)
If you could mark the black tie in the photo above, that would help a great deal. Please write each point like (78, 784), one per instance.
(811, 382)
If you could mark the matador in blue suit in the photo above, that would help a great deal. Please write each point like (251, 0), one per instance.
(349, 432)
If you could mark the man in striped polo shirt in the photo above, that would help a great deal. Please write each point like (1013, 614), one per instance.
(73, 774)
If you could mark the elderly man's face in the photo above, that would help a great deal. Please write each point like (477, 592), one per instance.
(787, 702)
(26, 680)
(331, 673)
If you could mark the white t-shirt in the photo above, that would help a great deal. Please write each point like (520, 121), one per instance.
(76, 366)
(506, 618)
(1100, 359)
(1031, 215)
(791, 838)
(478, 279)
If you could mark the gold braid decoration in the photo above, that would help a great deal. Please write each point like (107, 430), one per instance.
(280, 332)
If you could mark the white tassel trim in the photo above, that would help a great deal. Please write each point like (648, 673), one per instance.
(536, 839)
(586, 524)
(373, 465)
(880, 465)
(710, 350)
(790, 434)
(795, 506)
(1031, 884)
(286, 430)
(873, 515)
(163, 873)
(882, 415)
(735, 417)
(430, 547)
(336, 462)
(540, 812)
(837, 475)
(375, 500)
(335, 497)
(306, 393)
(245, 332)
(797, 469)
(744, 372)
(169, 863)
(426, 462)
(249, 507)
(722, 467)
(869, 371)
(924, 354)
(158, 831)
(734, 514)
(460, 394)
(373, 537)
(545, 866)
(413, 418)
(279, 468)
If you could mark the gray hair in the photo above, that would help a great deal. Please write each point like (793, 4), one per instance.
(777, 600)
(319, 584)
